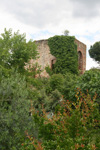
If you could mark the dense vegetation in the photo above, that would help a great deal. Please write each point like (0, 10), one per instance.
(60, 112)
(15, 51)
(74, 126)
(94, 51)
(65, 51)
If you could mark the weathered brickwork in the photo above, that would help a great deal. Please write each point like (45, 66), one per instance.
(81, 48)
(46, 59)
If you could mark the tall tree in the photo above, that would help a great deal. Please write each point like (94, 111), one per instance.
(15, 51)
(94, 52)
(14, 111)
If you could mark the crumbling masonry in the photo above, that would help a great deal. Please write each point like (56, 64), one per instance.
(46, 59)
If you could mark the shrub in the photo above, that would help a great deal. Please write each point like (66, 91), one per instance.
(56, 81)
(74, 126)
(70, 81)
(90, 81)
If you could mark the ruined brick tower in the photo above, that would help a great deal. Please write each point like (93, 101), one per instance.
(81, 49)
(46, 59)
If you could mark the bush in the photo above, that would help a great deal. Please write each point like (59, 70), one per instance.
(72, 129)
(90, 81)
(56, 81)
(70, 81)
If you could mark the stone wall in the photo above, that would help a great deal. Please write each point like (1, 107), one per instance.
(46, 59)
(81, 48)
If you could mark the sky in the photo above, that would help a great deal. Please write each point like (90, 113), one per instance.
(41, 19)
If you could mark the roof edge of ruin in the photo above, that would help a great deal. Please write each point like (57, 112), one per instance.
(41, 40)
(47, 40)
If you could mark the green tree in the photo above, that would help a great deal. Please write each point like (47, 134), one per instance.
(14, 112)
(15, 51)
(66, 32)
(88, 82)
(94, 51)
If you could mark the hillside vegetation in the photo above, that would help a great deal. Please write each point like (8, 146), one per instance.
(56, 113)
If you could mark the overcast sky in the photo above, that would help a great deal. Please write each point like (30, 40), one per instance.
(41, 19)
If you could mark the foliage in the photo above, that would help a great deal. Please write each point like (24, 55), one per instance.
(90, 81)
(4, 72)
(65, 51)
(48, 70)
(14, 112)
(56, 81)
(73, 124)
(48, 91)
(66, 32)
(94, 51)
(72, 129)
(69, 85)
(15, 51)
(41, 98)
(65, 84)
(33, 71)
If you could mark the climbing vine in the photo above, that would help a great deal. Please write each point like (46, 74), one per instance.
(65, 51)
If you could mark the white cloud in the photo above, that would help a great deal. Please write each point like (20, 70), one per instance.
(86, 9)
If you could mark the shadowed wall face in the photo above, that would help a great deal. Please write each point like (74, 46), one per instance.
(81, 48)
(46, 59)
(80, 61)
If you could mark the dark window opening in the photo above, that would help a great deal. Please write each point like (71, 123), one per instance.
(80, 61)
(52, 63)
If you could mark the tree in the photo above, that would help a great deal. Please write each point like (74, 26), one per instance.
(14, 112)
(66, 32)
(94, 51)
(15, 51)
(89, 81)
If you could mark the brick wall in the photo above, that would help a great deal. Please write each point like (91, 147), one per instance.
(81, 48)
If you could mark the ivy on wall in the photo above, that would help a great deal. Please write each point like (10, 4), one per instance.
(65, 51)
